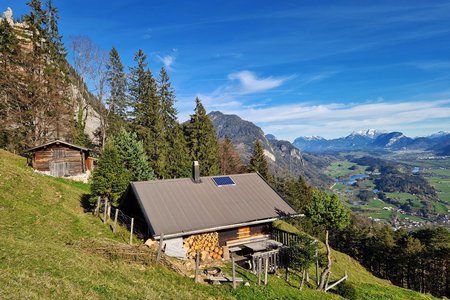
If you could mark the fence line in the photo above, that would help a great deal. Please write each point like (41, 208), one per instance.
(284, 237)
(105, 211)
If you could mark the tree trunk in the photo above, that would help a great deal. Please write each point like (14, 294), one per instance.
(327, 270)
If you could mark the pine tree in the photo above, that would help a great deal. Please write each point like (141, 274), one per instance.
(55, 71)
(117, 101)
(147, 120)
(202, 141)
(230, 161)
(37, 106)
(110, 177)
(138, 80)
(258, 162)
(175, 144)
(132, 153)
(11, 87)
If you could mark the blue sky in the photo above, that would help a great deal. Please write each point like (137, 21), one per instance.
(294, 68)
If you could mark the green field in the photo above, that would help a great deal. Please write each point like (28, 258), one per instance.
(342, 169)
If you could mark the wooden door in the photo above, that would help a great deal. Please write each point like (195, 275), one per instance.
(58, 166)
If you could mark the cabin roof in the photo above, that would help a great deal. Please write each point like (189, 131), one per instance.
(57, 142)
(181, 206)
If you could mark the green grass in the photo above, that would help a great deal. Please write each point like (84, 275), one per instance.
(47, 245)
(402, 197)
(342, 168)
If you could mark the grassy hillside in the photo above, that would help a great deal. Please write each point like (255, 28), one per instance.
(45, 242)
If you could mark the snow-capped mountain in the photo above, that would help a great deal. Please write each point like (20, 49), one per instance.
(371, 133)
(372, 139)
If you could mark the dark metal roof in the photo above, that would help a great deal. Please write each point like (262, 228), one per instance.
(57, 142)
(181, 206)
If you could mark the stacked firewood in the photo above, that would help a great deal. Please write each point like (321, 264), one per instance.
(207, 244)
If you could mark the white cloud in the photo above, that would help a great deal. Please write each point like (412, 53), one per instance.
(167, 60)
(339, 119)
(249, 83)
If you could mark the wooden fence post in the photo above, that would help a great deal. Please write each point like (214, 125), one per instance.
(234, 271)
(115, 220)
(161, 241)
(259, 270)
(266, 269)
(109, 211)
(97, 208)
(131, 231)
(105, 211)
(197, 266)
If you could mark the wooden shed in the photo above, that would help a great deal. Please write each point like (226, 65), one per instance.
(61, 159)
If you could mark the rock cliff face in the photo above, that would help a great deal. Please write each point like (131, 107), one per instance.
(80, 97)
(284, 159)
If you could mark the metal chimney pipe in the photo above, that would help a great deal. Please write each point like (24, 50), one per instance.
(196, 172)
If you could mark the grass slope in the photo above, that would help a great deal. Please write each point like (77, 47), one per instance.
(41, 221)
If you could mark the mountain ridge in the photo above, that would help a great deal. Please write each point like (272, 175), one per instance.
(283, 157)
(372, 139)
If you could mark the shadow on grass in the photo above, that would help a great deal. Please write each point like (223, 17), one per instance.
(87, 203)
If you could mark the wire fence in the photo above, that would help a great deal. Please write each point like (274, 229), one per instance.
(118, 218)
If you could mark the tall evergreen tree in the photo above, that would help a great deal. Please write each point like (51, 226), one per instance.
(230, 161)
(175, 146)
(258, 162)
(62, 111)
(117, 101)
(138, 81)
(202, 141)
(147, 119)
(36, 23)
(11, 87)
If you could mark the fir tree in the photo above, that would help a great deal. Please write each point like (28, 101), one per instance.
(11, 90)
(202, 141)
(175, 144)
(117, 101)
(258, 162)
(138, 81)
(110, 177)
(37, 106)
(147, 120)
(230, 161)
(55, 72)
(132, 154)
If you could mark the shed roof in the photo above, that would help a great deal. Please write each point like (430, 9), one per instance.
(57, 142)
(181, 206)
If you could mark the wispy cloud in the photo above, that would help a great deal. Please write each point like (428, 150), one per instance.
(249, 83)
(168, 60)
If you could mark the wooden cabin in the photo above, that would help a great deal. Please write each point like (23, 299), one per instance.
(61, 159)
(215, 215)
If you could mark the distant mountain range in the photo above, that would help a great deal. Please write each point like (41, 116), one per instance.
(283, 157)
(371, 139)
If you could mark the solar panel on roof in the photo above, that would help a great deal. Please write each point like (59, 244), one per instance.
(225, 180)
